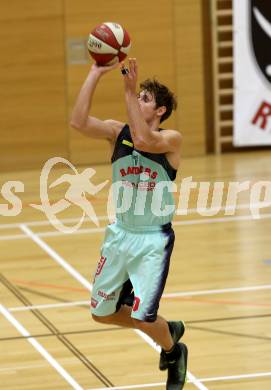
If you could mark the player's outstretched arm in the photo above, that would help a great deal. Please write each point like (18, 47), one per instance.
(80, 118)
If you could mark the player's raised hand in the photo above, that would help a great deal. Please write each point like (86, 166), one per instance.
(130, 74)
(103, 69)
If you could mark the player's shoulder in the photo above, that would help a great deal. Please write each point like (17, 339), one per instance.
(172, 134)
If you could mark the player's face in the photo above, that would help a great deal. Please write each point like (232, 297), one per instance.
(147, 105)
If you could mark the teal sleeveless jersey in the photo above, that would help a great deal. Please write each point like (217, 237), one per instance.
(142, 185)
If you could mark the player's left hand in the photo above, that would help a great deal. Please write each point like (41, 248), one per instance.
(129, 75)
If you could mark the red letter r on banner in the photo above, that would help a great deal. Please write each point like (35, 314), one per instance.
(262, 114)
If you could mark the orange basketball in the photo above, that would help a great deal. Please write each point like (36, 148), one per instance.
(108, 43)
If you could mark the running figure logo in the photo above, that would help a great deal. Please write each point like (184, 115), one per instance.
(80, 184)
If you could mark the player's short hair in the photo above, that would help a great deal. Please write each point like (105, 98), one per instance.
(162, 94)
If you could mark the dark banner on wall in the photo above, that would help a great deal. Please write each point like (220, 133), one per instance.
(252, 72)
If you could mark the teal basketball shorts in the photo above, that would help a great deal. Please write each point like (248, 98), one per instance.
(135, 256)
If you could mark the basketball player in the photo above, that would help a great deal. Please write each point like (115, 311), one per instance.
(136, 250)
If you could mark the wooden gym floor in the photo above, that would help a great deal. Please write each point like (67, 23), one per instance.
(219, 283)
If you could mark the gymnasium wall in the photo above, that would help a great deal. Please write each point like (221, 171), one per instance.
(43, 65)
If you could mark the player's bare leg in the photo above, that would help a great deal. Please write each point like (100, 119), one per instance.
(157, 330)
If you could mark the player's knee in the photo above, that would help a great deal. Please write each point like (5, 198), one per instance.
(95, 318)
(139, 324)
(101, 319)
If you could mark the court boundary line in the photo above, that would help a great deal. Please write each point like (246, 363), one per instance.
(218, 291)
(49, 306)
(167, 295)
(54, 331)
(201, 221)
(52, 253)
(46, 355)
(8, 316)
(204, 380)
(11, 368)
(55, 256)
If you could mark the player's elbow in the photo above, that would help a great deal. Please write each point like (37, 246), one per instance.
(76, 125)
(144, 144)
